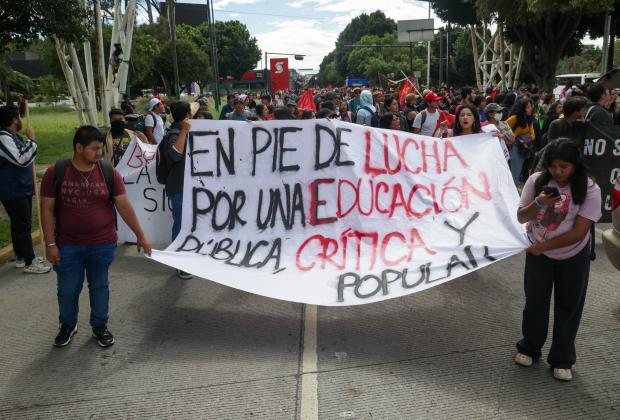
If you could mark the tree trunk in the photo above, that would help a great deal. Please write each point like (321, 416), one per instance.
(149, 9)
(544, 41)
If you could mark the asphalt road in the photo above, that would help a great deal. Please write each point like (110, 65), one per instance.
(188, 349)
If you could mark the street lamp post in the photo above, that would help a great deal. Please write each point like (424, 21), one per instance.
(297, 57)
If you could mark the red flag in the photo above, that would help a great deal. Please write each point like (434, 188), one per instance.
(444, 116)
(404, 91)
(306, 101)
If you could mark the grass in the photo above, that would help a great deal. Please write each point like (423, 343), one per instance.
(54, 128)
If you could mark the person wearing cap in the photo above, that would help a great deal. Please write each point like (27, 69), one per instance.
(426, 121)
(153, 123)
(494, 114)
(239, 113)
(355, 104)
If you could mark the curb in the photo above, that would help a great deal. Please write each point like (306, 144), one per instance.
(7, 254)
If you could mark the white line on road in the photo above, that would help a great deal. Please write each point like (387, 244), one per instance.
(309, 404)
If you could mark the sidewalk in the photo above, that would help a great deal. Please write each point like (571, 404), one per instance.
(195, 349)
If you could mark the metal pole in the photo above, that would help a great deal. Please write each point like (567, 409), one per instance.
(411, 58)
(214, 56)
(428, 54)
(612, 42)
(173, 38)
(606, 44)
(448, 56)
(440, 59)
(100, 65)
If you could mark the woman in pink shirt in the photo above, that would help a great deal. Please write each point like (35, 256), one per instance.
(559, 206)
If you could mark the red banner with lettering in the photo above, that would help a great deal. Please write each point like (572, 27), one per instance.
(279, 74)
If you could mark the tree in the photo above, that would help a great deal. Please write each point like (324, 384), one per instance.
(51, 88)
(588, 61)
(547, 30)
(369, 62)
(238, 52)
(25, 21)
(375, 23)
(193, 64)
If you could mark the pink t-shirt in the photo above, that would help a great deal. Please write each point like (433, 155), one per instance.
(559, 219)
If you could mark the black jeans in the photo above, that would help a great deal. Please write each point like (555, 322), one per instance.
(20, 215)
(569, 281)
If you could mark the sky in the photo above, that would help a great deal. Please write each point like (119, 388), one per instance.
(308, 27)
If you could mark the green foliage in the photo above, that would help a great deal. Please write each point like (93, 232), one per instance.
(375, 23)
(461, 12)
(192, 61)
(52, 88)
(588, 61)
(369, 62)
(27, 20)
(238, 52)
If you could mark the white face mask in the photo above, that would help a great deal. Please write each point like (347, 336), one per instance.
(498, 116)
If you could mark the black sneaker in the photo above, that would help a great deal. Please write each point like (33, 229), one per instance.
(183, 275)
(103, 335)
(64, 335)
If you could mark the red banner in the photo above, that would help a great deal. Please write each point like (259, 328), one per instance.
(279, 74)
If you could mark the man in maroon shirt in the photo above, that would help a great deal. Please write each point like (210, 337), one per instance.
(78, 219)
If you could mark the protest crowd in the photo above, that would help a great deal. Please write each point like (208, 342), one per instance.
(540, 136)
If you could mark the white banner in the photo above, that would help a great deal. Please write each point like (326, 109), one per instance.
(331, 213)
(147, 196)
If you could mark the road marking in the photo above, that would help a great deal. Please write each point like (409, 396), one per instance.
(309, 404)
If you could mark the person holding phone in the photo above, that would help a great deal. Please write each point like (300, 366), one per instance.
(559, 205)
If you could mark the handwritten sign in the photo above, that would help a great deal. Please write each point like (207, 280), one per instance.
(331, 213)
(601, 150)
(147, 196)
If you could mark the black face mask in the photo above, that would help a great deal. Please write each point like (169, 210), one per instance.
(117, 128)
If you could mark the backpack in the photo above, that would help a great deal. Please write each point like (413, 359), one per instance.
(374, 118)
(60, 168)
(162, 163)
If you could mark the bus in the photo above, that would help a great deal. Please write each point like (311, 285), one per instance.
(577, 79)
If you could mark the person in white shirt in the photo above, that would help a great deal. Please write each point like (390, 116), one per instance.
(153, 123)
(425, 122)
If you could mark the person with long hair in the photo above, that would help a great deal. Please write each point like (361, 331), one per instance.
(553, 113)
(343, 112)
(521, 121)
(391, 105)
(467, 121)
(389, 121)
(559, 205)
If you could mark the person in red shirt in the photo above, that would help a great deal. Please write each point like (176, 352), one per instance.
(78, 219)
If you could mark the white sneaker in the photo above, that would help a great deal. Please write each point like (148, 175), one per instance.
(37, 266)
(20, 263)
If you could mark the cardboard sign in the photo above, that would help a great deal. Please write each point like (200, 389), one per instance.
(147, 196)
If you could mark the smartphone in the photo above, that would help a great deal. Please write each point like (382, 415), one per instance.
(551, 191)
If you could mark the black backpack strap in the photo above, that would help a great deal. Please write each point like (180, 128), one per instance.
(108, 174)
(592, 242)
(152, 114)
(60, 168)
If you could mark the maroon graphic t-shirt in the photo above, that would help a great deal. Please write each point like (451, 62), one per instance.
(84, 214)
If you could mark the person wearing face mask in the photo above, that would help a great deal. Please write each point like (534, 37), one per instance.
(494, 116)
(118, 138)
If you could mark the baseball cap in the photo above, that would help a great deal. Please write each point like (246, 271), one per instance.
(493, 107)
(432, 96)
(153, 103)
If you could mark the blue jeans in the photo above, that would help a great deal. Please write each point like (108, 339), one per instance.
(75, 261)
(176, 200)
(516, 164)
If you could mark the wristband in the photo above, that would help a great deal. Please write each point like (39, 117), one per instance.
(52, 244)
(538, 203)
